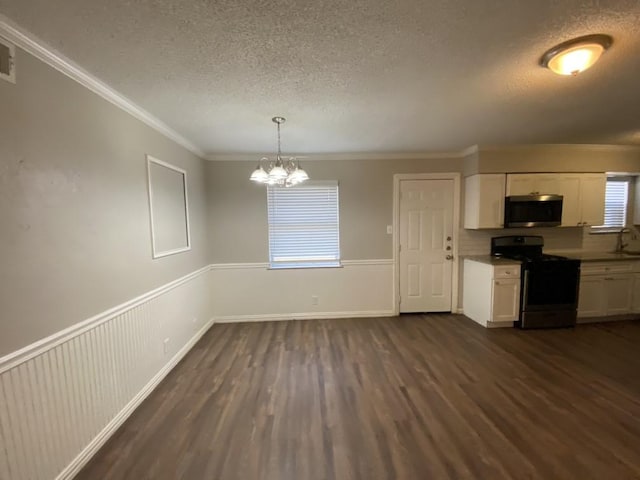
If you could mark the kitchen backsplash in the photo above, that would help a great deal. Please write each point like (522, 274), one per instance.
(478, 242)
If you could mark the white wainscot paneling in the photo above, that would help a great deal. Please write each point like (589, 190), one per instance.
(252, 292)
(61, 398)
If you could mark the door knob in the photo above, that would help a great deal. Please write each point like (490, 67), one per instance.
(448, 247)
(449, 257)
(448, 239)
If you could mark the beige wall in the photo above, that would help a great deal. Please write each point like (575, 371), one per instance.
(74, 236)
(238, 208)
(555, 158)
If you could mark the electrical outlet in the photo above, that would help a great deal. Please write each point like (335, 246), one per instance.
(166, 345)
(194, 320)
(389, 229)
(314, 300)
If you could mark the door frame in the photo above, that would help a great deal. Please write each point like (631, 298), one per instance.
(399, 177)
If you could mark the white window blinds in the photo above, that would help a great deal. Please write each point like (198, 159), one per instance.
(615, 203)
(304, 225)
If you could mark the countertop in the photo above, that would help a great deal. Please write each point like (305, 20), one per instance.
(597, 256)
(491, 260)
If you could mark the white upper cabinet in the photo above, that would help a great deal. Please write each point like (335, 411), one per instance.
(583, 193)
(484, 201)
(592, 192)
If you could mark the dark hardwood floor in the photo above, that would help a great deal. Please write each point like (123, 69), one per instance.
(415, 397)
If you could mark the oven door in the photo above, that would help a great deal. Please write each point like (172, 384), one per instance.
(551, 285)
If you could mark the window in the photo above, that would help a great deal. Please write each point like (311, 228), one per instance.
(304, 225)
(616, 202)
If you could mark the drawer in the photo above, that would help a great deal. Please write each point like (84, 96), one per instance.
(506, 271)
(601, 268)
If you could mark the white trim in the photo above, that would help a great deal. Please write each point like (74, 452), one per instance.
(239, 266)
(310, 157)
(34, 46)
(154, 252)
(560, 146)
(377, 261)
(265, 266)
(397, 178)
(99, 440)
(18, 357)
(302, 316)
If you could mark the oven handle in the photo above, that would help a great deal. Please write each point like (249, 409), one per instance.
(525, 288)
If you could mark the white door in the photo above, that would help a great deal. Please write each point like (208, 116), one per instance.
(426, 245)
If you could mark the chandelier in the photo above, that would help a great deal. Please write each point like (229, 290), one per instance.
(282, 173)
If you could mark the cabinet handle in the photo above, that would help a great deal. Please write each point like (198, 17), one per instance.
(609, 278)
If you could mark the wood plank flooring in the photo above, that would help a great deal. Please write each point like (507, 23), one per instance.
(413, 397)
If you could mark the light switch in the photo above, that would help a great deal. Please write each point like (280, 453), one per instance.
(389, 229)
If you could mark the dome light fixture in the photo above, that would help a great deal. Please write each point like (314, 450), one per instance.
(575, 56)
(279, 172)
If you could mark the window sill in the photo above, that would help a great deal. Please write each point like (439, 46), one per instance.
(298, 267)
(605, 230)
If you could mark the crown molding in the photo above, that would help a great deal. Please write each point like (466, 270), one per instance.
(253, 157)
(594, 147)
(34, 46)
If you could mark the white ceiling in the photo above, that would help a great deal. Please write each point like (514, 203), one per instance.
(354, 75)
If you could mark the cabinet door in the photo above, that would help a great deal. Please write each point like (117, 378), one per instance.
(484, 201)
(619, 294)
(636, 293)
(591, 299)
(521, 183)
(506, 300)
(569, 187)
(592, 191)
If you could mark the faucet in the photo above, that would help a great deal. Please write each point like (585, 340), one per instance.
(619, 245)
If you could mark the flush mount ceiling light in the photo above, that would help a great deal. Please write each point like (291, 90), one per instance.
(575, 56)
(285, 174)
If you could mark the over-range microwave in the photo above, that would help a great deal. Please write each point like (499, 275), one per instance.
(533, 211)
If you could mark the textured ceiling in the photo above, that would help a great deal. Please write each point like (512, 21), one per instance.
(354, 75)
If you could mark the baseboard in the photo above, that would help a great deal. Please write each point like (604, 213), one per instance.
(92, 448)
(302, 316)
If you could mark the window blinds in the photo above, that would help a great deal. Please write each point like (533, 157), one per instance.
(304, 225)
(615, 203)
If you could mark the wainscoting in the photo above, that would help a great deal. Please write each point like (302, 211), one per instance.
(62, 397)
(251, 292)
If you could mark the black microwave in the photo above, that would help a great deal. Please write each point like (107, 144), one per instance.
(533, 211)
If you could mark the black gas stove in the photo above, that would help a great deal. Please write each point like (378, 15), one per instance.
(549, 283)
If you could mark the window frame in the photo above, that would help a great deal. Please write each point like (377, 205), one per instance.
(302, 263)
(628, 214)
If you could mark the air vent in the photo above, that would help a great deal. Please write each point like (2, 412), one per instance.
(7, 65)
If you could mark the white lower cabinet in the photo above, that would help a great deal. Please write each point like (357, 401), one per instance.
(491, 292)
(591, 301)
(506, 300)
(607, 288)
(636, 292)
